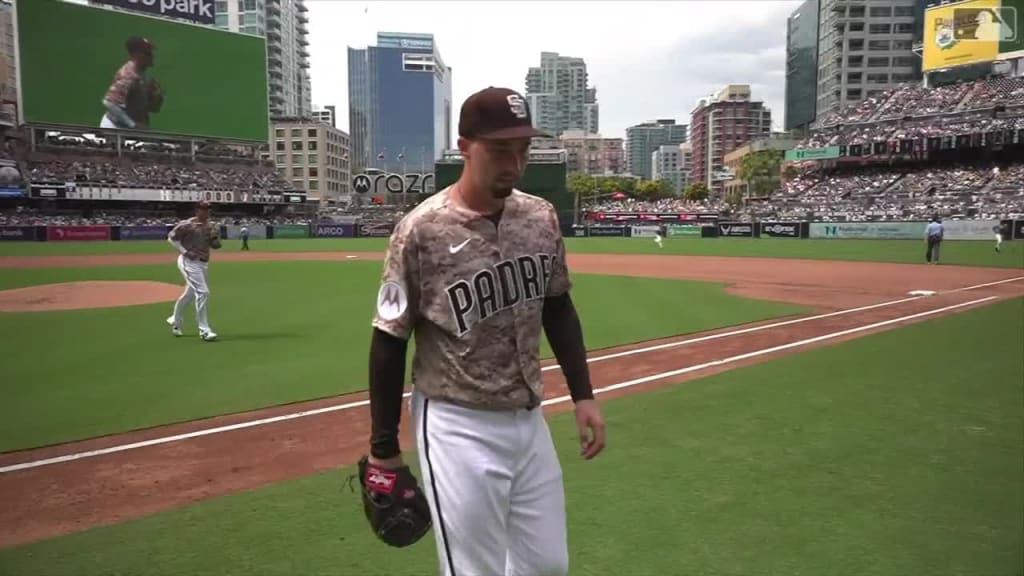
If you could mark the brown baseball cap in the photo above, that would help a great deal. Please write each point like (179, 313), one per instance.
(497, 114)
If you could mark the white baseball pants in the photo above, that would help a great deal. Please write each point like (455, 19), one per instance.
(196, 288)
(494, 485)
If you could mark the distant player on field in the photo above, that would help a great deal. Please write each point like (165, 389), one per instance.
(998, 230)
(132, 96)
(657, 239)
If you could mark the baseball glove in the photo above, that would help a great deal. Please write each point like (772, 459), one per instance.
(394, 505)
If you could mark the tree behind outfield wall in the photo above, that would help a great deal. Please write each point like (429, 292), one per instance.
(696, 191)
(760, 170)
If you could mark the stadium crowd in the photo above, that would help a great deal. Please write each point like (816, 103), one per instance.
(26, 216)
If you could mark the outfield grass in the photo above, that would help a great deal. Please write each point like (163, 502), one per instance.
(973, 253)
(288, 331)
(899, 453)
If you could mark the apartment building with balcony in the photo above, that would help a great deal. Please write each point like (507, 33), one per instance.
(721, 123)
(285, 25)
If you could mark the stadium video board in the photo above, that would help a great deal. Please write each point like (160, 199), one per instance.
(87, 66)
(971, 32)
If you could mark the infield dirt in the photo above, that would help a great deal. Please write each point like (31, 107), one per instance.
(53, 499)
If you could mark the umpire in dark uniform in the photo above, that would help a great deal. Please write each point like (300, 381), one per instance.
(933, 235)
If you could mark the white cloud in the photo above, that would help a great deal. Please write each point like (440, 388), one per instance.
(647, 59)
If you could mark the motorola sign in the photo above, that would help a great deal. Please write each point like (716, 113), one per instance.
(390, 183)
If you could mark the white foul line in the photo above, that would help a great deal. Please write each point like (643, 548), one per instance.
(360, 403)
(761, 352)
(975, 287)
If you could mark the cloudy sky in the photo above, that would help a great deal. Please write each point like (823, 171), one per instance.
(647, 59)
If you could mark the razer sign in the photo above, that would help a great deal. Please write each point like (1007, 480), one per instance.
(391, 183)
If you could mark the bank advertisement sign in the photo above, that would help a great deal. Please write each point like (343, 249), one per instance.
(876, 230)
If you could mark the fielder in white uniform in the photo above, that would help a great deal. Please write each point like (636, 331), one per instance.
(998, 230)
(194, 238)
(475, 272)
(657, 239)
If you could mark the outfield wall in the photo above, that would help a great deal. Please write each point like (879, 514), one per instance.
(914, 230)
(954, 230)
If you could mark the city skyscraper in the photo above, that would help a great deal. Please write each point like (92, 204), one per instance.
(559, 97)
(802, 66)
(644, 139)
(285, 25)
(864, 49)
(721, 123)
(400, 104)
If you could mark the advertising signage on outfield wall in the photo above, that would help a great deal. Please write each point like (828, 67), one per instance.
(607, 231)
(780, 229)
(291, 231)
(77, 233)
(158, 232)
(736, 229)
(15, 233)
(336, 231)
(877, 230)
(691, 230)
(202, 81)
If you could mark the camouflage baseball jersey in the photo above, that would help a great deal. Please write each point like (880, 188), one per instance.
(473, 294)
(126, 76)
(196, 236)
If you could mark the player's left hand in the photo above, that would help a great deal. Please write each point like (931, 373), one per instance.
(590, 425)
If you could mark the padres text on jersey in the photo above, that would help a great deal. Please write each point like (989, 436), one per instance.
(471, 292)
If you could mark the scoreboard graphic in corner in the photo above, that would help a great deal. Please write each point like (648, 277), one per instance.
(971, 32)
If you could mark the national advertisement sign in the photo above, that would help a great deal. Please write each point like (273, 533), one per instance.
(969, 229)
(692, 230)
(11, 192)
(575, 232)
(75, 233)
(876, 230)
(14, 233)
(375, 229)
(607, 231)
(291, 231)
(780, 229)
(335, 231)
(644, 231)
(145, 232)
(736, 230)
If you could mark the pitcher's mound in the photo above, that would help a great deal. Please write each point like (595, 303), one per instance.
(91, 294)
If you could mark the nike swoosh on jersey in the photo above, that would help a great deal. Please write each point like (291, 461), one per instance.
(454, 249)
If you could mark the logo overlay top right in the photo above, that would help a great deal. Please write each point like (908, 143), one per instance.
(985, 24)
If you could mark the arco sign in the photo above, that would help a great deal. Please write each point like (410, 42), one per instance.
(391, 183)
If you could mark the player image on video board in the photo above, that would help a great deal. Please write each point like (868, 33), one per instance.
(133, 95)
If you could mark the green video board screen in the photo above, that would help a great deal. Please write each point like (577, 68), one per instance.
(87, 66)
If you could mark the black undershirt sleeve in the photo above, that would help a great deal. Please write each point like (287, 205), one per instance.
(387, 383)
(565, 334)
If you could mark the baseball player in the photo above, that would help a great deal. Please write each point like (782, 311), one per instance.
(194, 238)
(657, 239)
(933, 236)
(132, 96)
(998, 231)
(475, 272)
(245, 237)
